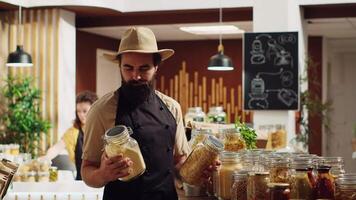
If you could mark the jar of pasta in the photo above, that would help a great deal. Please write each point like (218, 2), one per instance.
(198, 136)
(345, 187)
(43, 176)
(279, 170)
(233, 141)
(200, 159)
(230, 162)
(118, 141)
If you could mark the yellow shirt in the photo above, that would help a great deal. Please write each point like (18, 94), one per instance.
(101, 117)
(70, 139)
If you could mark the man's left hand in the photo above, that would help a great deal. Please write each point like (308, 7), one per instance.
(208, 172)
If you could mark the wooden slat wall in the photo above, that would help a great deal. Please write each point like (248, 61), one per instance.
(204, 92)
(39, 37)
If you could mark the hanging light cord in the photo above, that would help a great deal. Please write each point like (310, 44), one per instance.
(19, 29)
(220, 47)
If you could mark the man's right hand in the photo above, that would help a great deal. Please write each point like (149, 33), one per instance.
(115, 167)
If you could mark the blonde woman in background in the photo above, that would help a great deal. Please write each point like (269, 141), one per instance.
(72, 139)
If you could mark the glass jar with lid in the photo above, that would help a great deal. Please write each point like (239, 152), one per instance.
(232, 140)
(31, 176)
(345, 187)
(301, 185)
(200, 159)
(279, 170)
(325, 183)
(198, 136)
(278, 191)
(53, 174)
(239, 185)
(43, 176)
(195, 114)
(230, 162)
(336, 164)
(118, 141)
(252, 162)
(257, 185)
(217, 115)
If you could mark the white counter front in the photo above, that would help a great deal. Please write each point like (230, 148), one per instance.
(73, 190)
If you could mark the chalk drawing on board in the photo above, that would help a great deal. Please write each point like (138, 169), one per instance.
(257, 53)
(287, 38)
(258, 96)
(286, 96)
(281, 56)
(286, 78)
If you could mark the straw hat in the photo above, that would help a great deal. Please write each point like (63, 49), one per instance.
(139, 40)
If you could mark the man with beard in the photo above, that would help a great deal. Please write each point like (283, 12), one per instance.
(156, 121)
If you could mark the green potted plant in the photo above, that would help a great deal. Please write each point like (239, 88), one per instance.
(21, 120)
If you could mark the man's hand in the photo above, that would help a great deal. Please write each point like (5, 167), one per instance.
(208, 172)
(115, 167)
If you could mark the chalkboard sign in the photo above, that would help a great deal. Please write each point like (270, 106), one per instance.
(271, 78)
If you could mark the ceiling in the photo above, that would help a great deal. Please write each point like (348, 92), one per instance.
(328, 27)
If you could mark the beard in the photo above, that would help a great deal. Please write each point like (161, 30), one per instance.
(133, 93)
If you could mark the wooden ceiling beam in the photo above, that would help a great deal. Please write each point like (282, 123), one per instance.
(164, 17)
(330, 11)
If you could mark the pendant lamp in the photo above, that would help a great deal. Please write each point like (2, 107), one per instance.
(19, 58)
(220, 62)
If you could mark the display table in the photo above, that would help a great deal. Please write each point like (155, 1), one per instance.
(73, 190)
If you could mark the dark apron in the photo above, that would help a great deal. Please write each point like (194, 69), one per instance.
(78, 154)
(154, 128)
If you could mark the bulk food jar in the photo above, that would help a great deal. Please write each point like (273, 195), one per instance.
(279, 170)
(301, 179)
(118, 141)
(336, 164)
(198, 136)
(257, 185)
(239, 185)
(230, 162)
(325, 183)
(217, 115)
(232, 140)
(195, 114)
(345, 187)
(199, 159)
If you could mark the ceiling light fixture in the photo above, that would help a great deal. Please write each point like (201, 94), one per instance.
(19, 58)
(220, 62)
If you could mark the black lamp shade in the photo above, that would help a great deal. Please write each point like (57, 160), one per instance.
(19, 58)
(220, 62)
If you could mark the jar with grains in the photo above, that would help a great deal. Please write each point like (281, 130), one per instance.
(301, 185)
(198, 136)
(217, 115)
(43, 176)
(336, 164)
(252, 162)
(230, 162)
(31, 176)
(257, 185)
(195, 114)
(118, 141)
(239, 185)
(200, 159)
(278, 191)
(345, 187)
(233, 141)
(325, 183)
(279, 170)
(53, 174)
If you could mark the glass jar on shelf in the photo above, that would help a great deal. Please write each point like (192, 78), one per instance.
(345, 187)
(233, 140)
(336, 164)
(31, 176)
(53, 174)
(278, 191)
(279, 170)
(230, 163)
(200, 159)
(217, 115)
(301, 180)
(43, 176)
(198, 136)
(257, 185)
(325, 183)
(239, 185)
(195, 114)
(118, 141)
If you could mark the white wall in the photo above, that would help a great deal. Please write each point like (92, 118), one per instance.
(66, 75)
(108, 76)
